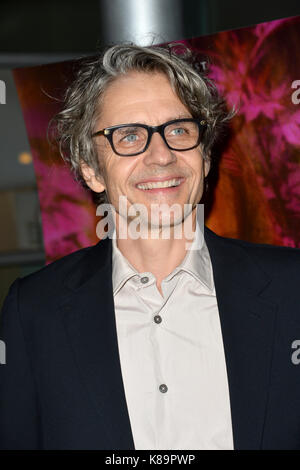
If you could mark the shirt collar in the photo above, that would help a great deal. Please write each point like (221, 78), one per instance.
(122, 270)
(196, 262)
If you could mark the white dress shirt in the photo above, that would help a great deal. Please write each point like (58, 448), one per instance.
(171, 354)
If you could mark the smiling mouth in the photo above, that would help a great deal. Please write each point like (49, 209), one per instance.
(172, 183)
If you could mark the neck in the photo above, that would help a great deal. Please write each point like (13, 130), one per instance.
(157, 255)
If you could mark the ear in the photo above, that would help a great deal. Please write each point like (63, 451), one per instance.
(96, 184)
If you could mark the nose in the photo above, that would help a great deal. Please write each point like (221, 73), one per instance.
(158, 152)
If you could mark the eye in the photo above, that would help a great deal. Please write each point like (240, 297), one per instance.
(130, 138)
(178, 131)
(127, 135)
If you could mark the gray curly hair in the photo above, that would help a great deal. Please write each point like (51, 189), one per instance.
(75, 123)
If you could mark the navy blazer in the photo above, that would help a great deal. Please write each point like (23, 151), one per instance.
(62, 388)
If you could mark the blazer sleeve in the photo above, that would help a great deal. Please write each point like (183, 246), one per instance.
(18, 401)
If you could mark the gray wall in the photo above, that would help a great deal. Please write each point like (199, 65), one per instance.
(73, 26)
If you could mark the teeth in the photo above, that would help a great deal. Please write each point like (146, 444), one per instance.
(159, 184)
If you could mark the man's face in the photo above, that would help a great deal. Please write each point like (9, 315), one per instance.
(147, 99)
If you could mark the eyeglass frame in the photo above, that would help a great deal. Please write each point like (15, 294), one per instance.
(108, 133)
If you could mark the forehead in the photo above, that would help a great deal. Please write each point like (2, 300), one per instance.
(140, 96)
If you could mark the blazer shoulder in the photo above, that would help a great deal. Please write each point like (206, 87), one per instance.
(271, 258)
(55, 272)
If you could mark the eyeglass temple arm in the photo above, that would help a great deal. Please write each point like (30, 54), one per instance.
(102, 132)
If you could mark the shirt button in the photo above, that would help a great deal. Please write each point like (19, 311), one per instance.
(163, 388)
(144, 280)
(157, 319)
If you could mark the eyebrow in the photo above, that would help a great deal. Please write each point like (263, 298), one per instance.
(179, 116)
(182, 116)
(170, 118)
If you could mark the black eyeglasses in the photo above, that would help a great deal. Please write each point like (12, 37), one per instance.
(128, 140)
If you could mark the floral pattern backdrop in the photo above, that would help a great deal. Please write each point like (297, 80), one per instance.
(254, 190)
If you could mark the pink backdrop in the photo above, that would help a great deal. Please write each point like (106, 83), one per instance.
(256, 194)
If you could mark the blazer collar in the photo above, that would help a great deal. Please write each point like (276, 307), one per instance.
(226, 254)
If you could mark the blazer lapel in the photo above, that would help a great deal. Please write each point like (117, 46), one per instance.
(247, 319)
(88, 313)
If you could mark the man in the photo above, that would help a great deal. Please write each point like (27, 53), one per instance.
(151, 342)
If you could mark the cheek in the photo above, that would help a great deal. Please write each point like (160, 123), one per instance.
(118, 173)
(125, 169)
(107, 162)
(196, 168)
(198, 178)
